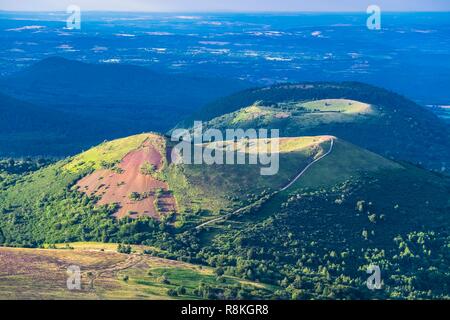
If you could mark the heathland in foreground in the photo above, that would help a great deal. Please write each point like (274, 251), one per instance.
(108, 274)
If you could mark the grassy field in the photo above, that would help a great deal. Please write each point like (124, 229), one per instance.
(105, 274)
(346, 161)
(337, 105)
(256, 111)
(99, 246)
(290, 117)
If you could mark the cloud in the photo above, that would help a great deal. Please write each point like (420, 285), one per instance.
(99, 49)
(16, 50)
(110, 61)
(188, 17)
(126, 35)
(64, 47)
(214, 43)
(33, 27)
(269, 58)
(159, 33)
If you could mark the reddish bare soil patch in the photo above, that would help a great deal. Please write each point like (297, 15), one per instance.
(116, 186)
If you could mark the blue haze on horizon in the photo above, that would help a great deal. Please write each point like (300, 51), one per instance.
(226, 5)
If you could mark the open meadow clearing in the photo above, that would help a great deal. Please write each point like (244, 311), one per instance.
(105, 274)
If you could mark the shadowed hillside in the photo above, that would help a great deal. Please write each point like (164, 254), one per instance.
(396, 127)
(82, 104)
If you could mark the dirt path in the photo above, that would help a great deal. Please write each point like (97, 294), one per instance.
(308, 166)
(130, 262)
(282, 189)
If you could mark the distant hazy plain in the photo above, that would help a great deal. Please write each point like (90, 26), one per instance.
(410, 55)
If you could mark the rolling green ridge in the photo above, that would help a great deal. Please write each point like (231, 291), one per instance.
(395, 127)
(43, 207)
(312, 241)
(224, 188)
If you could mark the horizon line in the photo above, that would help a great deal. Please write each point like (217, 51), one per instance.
(229, 11)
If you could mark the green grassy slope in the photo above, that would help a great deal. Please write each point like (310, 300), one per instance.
(43, 206)
(395, 127)
(106, 154)
(346, 161)
(220, 188)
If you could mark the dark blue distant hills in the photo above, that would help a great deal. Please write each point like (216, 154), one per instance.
(57, 81)
(58, 107)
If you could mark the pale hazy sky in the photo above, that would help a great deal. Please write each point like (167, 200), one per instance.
(226, 5)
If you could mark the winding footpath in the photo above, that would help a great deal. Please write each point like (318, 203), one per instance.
(130, 262)
(282, 189)
(308, 166)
